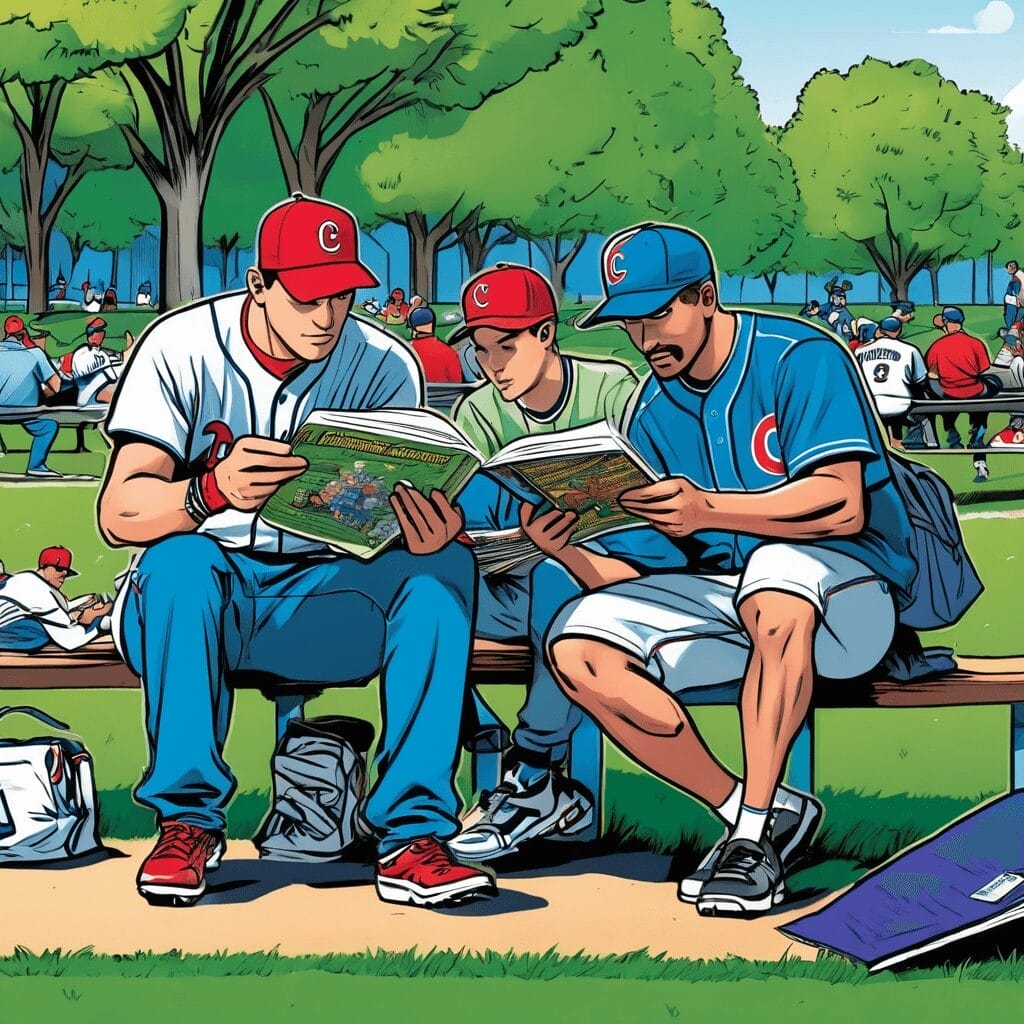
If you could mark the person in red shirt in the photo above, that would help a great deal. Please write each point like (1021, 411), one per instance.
(440, 362)
(957, 368)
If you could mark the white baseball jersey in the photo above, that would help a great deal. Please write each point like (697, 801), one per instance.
(192, 385)
(26, 595)
(890, 368)
(92, 369)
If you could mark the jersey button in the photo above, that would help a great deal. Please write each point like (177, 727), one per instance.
(714, 414)
(719, 440)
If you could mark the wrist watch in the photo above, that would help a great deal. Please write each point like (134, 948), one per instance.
(195, 506)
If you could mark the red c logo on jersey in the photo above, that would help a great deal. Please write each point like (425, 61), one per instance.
(614, 272)
(223, 438)
(762, 455)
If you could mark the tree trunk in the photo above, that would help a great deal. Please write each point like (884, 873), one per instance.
(181, 251)
(115, 260)
(878, 288)
(988, 275)
(974, 282)
(235, 274)
(559, 262)
(740, 298)
(807, 287)
(224, 254)
(771, 280)
(9, 266)
(933, 274)
(421, 257)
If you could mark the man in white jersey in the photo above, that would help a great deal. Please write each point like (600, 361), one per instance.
(201, 425)
(91, 368)
(895, 373)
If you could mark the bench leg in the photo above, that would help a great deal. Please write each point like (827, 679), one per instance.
(486, 771)
(1017, 745)
(586, 766)
(801, 757)
(287, 709)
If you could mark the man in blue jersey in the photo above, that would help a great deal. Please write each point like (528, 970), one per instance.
(776, 484)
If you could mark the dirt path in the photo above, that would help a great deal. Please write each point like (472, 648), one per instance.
(599, 905)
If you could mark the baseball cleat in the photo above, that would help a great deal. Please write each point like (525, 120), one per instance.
(516, 812)
(174, 873)
(790, 833)
(425, 874)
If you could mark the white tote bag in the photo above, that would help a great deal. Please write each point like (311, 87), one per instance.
(47, 796)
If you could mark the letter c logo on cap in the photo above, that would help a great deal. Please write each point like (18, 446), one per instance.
(327, 236)
(614, 272)
(479, 291)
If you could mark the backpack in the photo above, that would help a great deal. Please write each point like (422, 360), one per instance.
(319, 772)
(47, 796)
(946, 583)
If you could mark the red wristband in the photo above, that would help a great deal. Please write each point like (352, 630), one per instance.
(213, 497)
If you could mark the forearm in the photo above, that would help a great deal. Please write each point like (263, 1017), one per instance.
(807, 509)
(144, 509)
(594, 570)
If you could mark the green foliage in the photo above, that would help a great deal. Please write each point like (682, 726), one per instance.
(109, 209)
(899, 162)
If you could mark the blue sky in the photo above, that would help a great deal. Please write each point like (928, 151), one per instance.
(783, 42)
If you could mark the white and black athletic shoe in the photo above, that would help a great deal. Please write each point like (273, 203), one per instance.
(790, 833)
(516, 812)
(746, 879)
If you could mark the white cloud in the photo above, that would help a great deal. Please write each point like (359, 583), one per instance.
(993, 19)
(1015, 120)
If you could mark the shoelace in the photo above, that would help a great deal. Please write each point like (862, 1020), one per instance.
(435, 856)
(176, 839)
(740, 860)
(492, 799)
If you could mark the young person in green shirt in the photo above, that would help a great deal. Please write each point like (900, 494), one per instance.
(511, 319)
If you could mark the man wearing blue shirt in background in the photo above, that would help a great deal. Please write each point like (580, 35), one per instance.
(26, 377)
(775, 478)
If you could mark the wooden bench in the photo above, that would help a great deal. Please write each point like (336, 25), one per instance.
(79, 417)
(977, 681)
(1008, 404)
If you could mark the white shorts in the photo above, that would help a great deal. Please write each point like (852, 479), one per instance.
(687, 630)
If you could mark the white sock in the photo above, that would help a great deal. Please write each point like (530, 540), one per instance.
(787, 799)
(750, 824)
(729, 810)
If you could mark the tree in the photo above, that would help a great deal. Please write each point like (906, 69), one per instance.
(910, 199)
(12, 226)
(233, 209)
(53, 47)
(348, 77)
(188, 95)
(107, 211)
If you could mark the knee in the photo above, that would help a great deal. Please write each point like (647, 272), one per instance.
(779, 624)
(436, 582)
(191, 559)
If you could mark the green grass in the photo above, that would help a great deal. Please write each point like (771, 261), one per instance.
(435, 986)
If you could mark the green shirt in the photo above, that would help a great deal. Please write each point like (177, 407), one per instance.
(597, 391)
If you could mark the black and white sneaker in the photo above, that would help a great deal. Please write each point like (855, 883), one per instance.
(746, 879)
(516, 812)
(790, 833)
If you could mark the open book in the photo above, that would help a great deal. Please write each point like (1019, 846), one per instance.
(356, 458)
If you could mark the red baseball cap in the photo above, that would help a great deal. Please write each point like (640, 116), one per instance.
(58, 558)
(314, 248)
(508, 297)
(13, 325)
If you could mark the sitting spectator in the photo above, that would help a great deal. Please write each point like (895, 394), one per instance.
(60, 288)
(144, 295)
(26, 377)
(811, 310)
(14, 327)
(92, 300)
(904, 311)
(33, 611)
(371, 306)
(109, 301)
(440, 363)
(895, 373)
(91, 370)
(836, 314)
(959, 367)
(864, 330)
(396, 311)
(1013, 300)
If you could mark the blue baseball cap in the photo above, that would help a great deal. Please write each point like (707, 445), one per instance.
(866, 332)
(953, 314)
(421, 316)
(645, 267)
(891, 323)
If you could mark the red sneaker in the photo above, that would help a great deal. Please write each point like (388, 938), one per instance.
(174, 874)
(424, 873)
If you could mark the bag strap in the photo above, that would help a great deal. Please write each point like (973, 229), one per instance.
(43, 717)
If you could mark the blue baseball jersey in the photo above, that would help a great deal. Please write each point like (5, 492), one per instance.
(788, 398)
